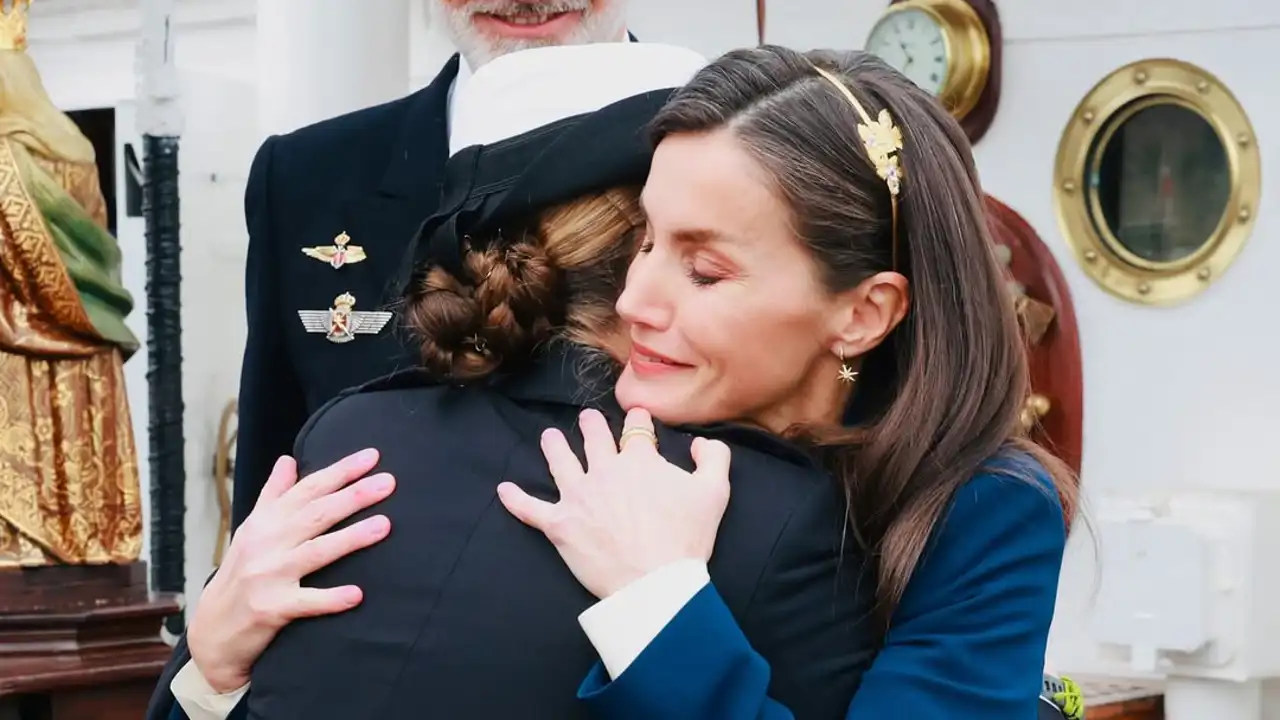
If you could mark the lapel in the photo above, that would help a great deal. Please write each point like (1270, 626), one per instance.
(409, 189)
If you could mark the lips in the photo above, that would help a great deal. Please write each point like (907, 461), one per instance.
(646, 361)
(528, 18)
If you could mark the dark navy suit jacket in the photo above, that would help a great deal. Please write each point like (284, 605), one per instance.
(467, 613)
(967, 641)
(374, 174)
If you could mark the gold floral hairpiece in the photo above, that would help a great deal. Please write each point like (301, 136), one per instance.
(883, 142)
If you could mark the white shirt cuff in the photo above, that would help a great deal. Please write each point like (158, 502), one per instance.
(198, 699)
(622, 625)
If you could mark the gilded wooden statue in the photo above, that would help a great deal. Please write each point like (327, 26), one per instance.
(69, 491)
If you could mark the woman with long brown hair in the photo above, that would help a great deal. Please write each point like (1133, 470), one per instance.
(816, 263)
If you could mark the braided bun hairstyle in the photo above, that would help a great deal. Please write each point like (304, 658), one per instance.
(560, 277)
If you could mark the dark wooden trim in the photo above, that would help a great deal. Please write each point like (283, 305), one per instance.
(1151, 708)
(1056, 365)
(979, 119)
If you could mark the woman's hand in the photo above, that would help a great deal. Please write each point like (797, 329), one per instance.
(630, 512)
(256, 590)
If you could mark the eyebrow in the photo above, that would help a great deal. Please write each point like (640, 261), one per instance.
(692, 236)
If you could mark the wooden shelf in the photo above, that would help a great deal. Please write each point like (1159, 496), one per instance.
(1121, 699)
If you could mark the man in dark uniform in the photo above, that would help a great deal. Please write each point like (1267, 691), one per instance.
(330, 210)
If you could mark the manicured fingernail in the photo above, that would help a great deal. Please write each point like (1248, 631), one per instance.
(379, 525)
(365, 456)
(382, 482)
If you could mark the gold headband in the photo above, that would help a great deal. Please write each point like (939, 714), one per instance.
(883, 141)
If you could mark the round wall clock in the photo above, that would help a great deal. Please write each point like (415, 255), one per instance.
(946, 48)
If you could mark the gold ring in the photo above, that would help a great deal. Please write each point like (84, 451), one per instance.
(631, 432)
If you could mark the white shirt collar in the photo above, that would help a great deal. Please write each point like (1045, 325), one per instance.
(464, 74)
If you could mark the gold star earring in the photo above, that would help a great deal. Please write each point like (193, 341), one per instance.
(847, 374)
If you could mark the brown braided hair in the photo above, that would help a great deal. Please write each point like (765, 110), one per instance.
(559, 278)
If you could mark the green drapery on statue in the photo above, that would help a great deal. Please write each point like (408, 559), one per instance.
(69, 489)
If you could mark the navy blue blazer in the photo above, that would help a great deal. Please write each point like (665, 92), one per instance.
(967, 641)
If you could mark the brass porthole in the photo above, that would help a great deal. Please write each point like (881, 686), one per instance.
(1157, 181)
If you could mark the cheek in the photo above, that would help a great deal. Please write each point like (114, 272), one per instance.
(753, 346)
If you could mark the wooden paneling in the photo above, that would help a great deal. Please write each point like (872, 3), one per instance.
(1056, 371)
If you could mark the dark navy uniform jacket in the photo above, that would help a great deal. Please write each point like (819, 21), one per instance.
(375, 175)
(467, 613)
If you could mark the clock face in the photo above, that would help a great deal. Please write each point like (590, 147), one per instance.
(912, 42)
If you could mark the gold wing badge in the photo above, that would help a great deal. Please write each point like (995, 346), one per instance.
(340, 323)
(340, 253)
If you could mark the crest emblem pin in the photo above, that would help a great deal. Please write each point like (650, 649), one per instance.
(341, 323)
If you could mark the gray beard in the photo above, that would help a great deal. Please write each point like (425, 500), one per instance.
(478, 48)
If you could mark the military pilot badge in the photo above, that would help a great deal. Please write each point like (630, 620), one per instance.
(341, 323)
(340, 253)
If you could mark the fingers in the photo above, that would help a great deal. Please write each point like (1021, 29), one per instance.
(325, 481)
(326, 511)
(529, 510)
(313, 602)
(597, 439)
(282, 477)
(637, 432)
(710, 459)
(322, 551)
(561, 461)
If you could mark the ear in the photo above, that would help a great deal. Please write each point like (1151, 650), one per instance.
(866, 314)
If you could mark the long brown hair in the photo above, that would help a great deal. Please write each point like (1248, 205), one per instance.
(560, 278)
(940, 399)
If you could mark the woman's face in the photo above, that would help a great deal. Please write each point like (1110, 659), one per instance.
(729, 319)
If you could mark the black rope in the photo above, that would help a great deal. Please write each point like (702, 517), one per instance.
(164, 368)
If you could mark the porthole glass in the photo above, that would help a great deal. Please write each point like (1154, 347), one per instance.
(1159, 181)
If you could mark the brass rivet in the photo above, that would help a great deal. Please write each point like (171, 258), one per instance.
(1069, 185)
(1140, 77)
(1202, 86)
(1242, 140)
(1087, 116)
(1244, 214)
(1090, 256)
(1203, 273)
(1144, 288)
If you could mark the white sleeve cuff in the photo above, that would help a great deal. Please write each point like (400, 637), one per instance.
(198, 699)
(622, 625)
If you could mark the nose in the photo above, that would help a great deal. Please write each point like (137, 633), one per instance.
(643, 301)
